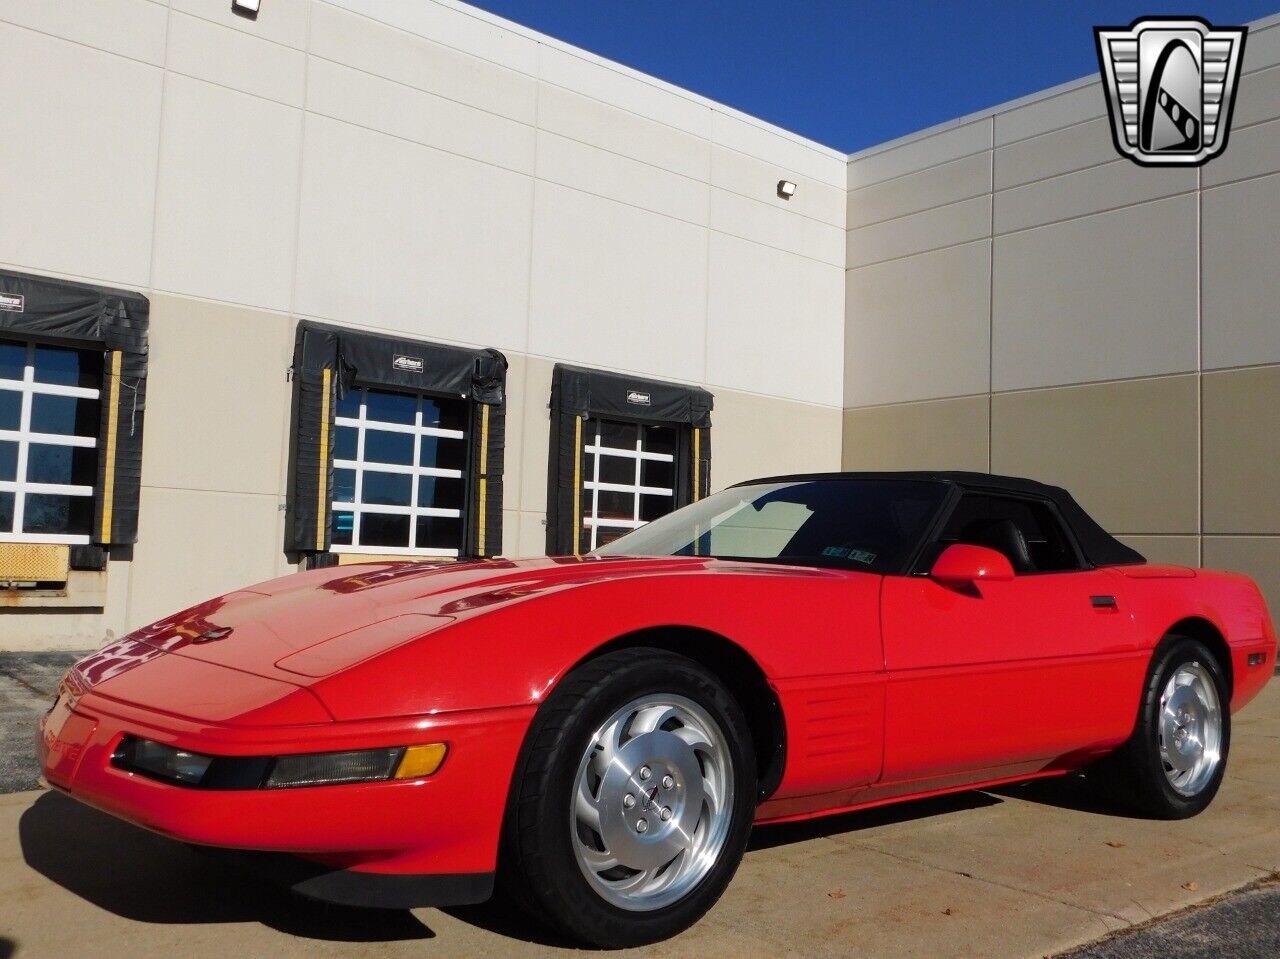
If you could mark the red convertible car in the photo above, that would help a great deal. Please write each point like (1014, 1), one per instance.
(600, 733)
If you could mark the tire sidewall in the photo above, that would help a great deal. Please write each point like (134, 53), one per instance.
(1167, 801)
(565, 891)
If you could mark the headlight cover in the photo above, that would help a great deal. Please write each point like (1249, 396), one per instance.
(324, 769)
(160, 761)
(182, 767)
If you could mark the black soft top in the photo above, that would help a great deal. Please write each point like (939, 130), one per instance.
(1099, 547)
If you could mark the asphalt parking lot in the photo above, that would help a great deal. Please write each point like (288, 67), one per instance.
(1034, 870)
(28, 682)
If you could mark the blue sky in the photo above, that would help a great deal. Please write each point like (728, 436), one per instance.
(846, 73)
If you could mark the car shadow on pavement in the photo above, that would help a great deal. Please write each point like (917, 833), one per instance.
(767, 837)
(501, 916)
(142, 876)
(1073, 791)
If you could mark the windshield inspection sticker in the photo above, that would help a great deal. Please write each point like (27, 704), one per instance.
(848, 552)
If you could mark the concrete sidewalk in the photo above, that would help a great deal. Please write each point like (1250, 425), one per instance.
(1029, 871)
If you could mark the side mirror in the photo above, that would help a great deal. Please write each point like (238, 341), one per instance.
(961, 563)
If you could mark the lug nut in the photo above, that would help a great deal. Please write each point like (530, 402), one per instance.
(666, 813)
(628, 801)
(667, 782)
(642, 826)
(645, 772)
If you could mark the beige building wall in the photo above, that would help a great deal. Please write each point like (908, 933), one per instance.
(418, 168)
(1020, 299)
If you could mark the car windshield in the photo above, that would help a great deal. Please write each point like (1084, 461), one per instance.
(868, 524)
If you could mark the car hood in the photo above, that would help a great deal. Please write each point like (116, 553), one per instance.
(306, 626)
(401, 639)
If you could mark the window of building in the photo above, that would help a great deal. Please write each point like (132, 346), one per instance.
(629, 478)
(396, 448)
(624, 451)
(399, 473)
(50, 418)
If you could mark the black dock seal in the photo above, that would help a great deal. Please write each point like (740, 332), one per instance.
(329, 361)
(83, 316)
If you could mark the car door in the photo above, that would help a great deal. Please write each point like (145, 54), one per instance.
(1005, 674)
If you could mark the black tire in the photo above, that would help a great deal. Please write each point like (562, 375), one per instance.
(1135, 773)
(539, 870)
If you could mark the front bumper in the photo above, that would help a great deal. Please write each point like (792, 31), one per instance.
(430, 841)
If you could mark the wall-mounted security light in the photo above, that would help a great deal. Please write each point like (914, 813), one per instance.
(786, 189)
(246, 8)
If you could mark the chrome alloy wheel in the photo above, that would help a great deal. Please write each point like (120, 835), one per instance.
(1190, 729)
(652, 802)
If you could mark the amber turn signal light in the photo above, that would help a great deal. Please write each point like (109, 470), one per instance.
(421, 761)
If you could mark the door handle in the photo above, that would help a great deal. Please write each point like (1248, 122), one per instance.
(1102, 602)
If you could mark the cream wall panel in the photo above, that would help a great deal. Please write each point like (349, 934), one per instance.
(773, 322)
(1257, 96)
(1241, 427)
(368, 101)
(236, 359)
(1263, 48)
(1052, 113)
(758, 179)
(368, 45)
(918, 327)
(533, 534)
(1051, 154)
(226, 212)
(456, 25)
(1122, 308)
(209, 51)
(756, 140)
(574, 164)
(931, 230)
(756, 436)
(1178, 550)
(628, 91)
(1253, 151)
(194, 545)
(535, 429)
(765, 223)
(610, 128)
(1241, 284)
(937, 186)
(935, 435)
(615, 286)
(510, 532)
(71, 205)
(1127, 451)
(281, 21)
(131, 28)
(919, 153)
(1115, 184)
(1256, 556)
(397, 235)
